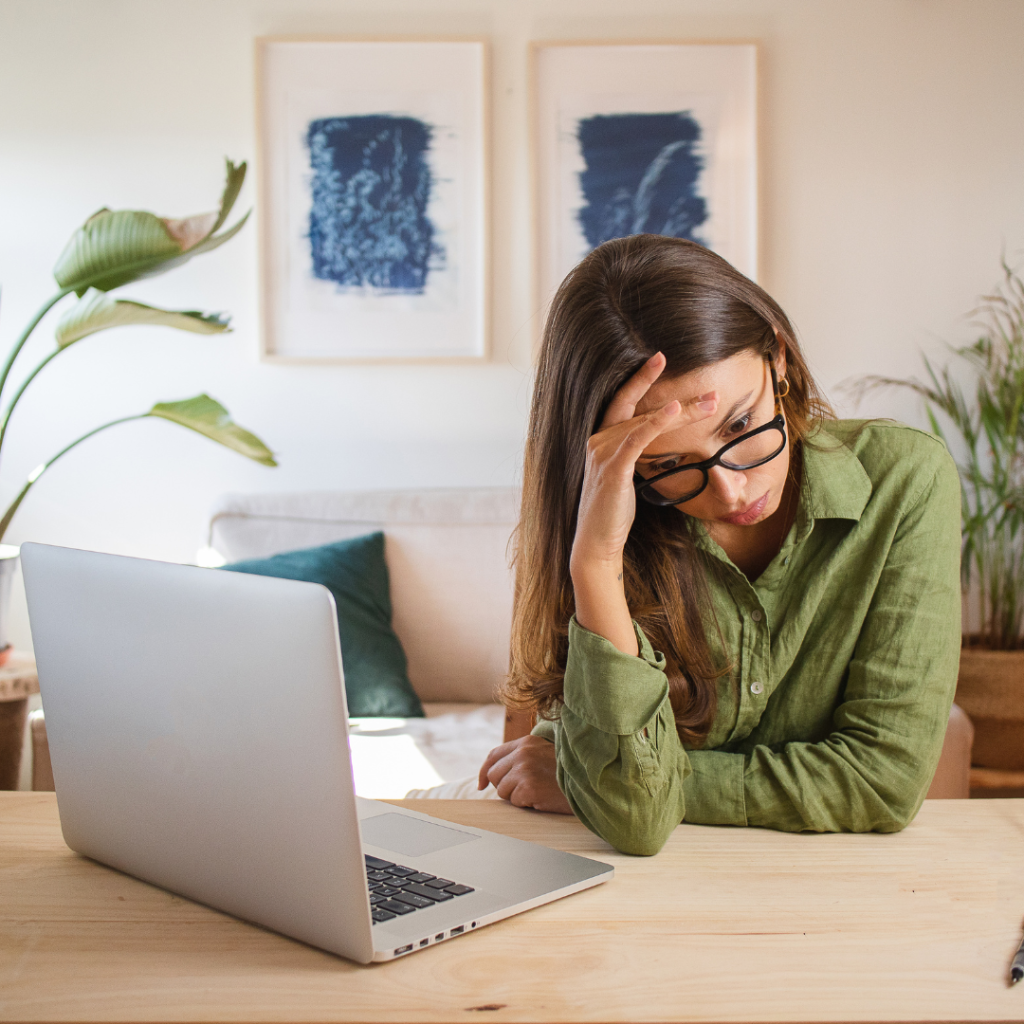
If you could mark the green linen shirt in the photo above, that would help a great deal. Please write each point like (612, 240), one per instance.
(843, 654)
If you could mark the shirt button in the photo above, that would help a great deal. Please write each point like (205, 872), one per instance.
(757, 687)
(756, 616)
(785, 561)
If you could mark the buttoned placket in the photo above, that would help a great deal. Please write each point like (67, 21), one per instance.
(754, 668)
(757, 678)
(753, 602)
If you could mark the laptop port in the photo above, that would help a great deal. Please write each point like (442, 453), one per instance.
(459, 930)
(403, 949)
(439, 936)
(423, 942)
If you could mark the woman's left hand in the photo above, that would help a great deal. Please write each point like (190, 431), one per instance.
(523, 772)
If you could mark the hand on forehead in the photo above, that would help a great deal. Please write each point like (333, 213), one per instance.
(724, 383)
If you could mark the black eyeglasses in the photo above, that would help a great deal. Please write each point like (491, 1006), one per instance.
(749, 450)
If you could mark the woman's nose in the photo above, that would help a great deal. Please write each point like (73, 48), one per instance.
(727, 484)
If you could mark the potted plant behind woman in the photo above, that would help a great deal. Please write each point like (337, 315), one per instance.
(988, 438)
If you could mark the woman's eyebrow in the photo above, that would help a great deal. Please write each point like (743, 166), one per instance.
(725, 419)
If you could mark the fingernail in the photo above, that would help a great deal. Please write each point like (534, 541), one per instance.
(706, 405)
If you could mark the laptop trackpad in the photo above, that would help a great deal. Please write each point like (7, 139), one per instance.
(413, 837)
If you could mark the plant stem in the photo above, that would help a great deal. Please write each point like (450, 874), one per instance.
(40, 470)
(23, 337)
(14, 401)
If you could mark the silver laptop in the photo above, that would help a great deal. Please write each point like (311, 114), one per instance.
(199, 739)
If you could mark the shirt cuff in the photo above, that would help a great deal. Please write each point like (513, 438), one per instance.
(714, 791)
(545, 729)
(615, 692)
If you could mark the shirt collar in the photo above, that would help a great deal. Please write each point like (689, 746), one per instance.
(835, 485)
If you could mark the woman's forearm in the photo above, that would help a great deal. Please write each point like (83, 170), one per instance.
(607, 504)
(620, 763)
(601, 603)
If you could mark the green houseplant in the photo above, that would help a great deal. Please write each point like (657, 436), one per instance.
(111, 249)
(984, 428)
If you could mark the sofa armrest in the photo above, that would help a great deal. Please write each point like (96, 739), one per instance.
(952, 778)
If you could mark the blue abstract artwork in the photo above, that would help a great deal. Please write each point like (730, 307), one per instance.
(371, 186)
(641, 175)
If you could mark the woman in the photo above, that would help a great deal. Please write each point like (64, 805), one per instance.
(730, 608)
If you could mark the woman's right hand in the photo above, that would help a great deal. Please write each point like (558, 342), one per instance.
(608, 500)
(524, 773)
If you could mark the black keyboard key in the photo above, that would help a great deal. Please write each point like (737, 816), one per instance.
(459, 890)
(420, 877)
(378, 876)
(375, 863)
(419, 902)
(375, 899)
(385, 890)
(399, 872)
(439, 895)
(394, 907)
(439, 883)
(381, 915)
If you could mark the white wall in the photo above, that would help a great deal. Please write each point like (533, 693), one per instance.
(892, 176)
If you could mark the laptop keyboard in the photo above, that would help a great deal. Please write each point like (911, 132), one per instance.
(397, 890)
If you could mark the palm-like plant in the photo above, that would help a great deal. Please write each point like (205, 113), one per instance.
(990, 428)
(113, 248)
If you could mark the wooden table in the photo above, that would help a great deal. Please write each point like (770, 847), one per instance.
(725, 924)
(18, 681)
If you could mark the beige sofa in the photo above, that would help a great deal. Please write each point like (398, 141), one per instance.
(451, 589)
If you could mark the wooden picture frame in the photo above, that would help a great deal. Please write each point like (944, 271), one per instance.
(373, 199)
(634, 137)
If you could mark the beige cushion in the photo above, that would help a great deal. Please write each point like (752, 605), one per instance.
(447, 555)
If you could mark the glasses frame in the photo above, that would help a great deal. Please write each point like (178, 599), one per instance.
(644, 486)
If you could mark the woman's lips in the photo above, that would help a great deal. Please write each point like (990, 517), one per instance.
(750, 514)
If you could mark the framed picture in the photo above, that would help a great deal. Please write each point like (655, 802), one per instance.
(634, 138)
(372, 199)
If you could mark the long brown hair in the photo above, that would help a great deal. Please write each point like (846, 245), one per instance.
(629, 299)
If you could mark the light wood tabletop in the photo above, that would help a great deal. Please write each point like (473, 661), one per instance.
(725, 924)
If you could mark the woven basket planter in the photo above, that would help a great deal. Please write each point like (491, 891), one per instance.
(990, 688)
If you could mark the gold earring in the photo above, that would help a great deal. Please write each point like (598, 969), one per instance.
(783, 388)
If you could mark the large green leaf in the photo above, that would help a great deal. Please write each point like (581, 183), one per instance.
(115, 247)
(97, 311)
(112, 248)
(209, 418)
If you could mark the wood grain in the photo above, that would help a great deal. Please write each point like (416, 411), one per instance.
(725, 924)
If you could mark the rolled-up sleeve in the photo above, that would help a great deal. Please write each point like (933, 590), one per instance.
(620, 762)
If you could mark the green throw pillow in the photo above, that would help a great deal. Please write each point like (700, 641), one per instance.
(354, 571)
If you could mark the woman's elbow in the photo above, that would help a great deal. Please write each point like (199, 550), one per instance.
(633, 832)
(899, 814)
(639, 844)
(886, 813)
